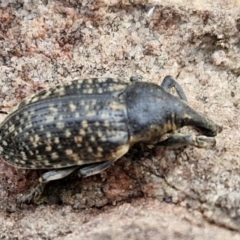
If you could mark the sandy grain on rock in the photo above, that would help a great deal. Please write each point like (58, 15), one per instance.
(49, 42)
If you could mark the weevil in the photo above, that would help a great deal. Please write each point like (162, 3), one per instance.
(88, 124)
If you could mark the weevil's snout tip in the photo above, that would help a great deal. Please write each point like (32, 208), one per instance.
(216, 130)
(212, 131)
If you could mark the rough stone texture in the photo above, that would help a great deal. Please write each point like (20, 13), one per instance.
(189, 193)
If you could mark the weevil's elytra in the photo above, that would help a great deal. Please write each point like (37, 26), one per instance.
(93, 122)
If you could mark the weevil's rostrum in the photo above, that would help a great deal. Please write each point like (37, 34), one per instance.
(93, 122)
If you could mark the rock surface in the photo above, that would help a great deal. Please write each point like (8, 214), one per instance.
(189, 193)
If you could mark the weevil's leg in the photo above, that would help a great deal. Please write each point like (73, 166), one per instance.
(44, 179)
(35, 194)
(180, 140)
(94, 169)
(169, 82)
(57, 174)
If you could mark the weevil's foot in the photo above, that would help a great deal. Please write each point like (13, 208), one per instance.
(178, 140)
(204, 142)
(34, 195)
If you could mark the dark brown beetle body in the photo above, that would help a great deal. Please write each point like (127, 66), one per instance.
(94, 122)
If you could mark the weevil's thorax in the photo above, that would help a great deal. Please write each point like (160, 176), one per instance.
(152, 112)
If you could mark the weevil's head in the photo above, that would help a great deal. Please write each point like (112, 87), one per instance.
(187, 116)
(152, 112)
